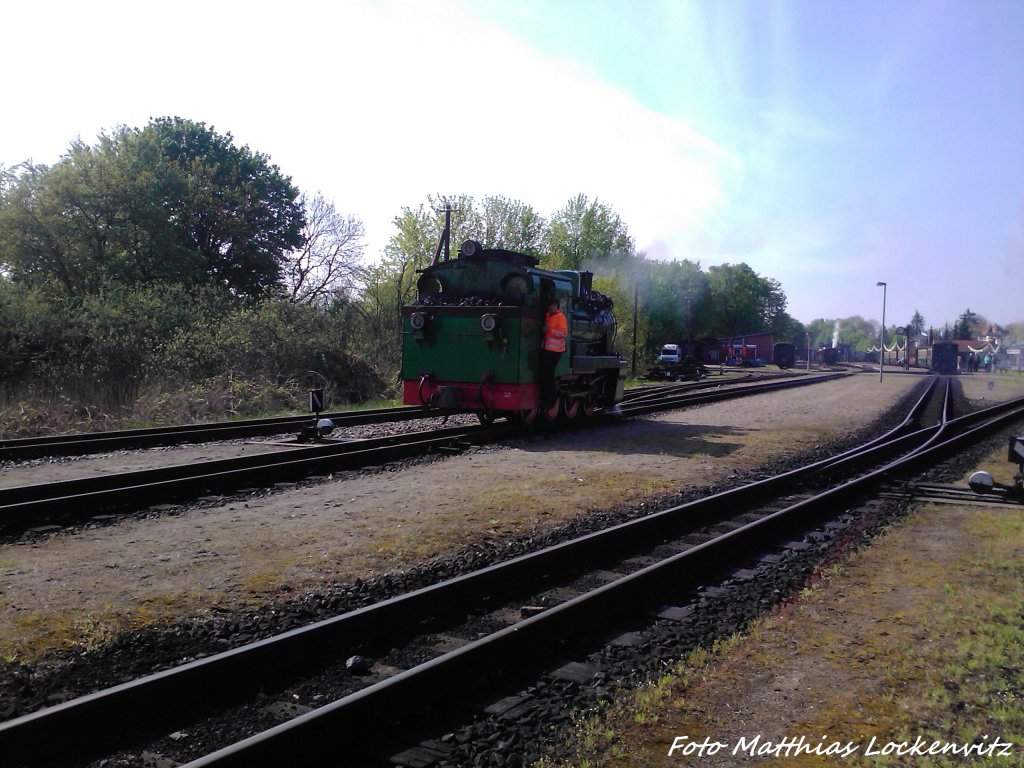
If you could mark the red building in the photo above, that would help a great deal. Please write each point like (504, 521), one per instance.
(748, 346)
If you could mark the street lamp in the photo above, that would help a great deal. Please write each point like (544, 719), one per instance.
(881, 334)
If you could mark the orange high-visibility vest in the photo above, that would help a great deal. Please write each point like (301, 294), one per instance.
(555, 331)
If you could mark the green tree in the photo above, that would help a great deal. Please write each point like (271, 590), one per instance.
(966, 325)
(582, 232)
(741, 301)
(1014, 333)
(174, 202)
(8, 177)
(853, 331)
(860, 333)
(56, 225)
(787, 328)
(391, 283)
(25, 335)
(229, 205)
(674, 301)
(821, 331)
(512, 225)
(916, 325)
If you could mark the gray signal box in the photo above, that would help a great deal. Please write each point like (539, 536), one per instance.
(1016, 450)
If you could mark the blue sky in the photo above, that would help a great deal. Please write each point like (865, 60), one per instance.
(827, 144)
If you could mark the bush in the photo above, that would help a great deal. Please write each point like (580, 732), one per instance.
(36, 416)
(280, 342)
(99, 348)
(161, 349)
(216, 399)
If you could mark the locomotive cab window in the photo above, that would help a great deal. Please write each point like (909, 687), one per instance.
(559, 290)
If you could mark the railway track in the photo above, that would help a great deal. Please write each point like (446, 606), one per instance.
(82, 444)
(702, 537)
(932, 493)
(24, 449)
(69, 501)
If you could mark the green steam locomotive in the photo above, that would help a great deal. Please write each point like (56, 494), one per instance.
(472, 340)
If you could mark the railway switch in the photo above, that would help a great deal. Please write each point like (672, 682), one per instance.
(983, 482)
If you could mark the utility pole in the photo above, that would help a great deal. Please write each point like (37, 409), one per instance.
(636, 297)
(689, 295)
(881, 334)
(444, 242)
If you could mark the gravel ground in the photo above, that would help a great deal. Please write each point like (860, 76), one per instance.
(217, 574)
(54, 468)
(221, 556)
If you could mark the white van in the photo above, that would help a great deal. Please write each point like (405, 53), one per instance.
(670, 354)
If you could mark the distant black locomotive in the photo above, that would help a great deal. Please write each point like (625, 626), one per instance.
(784, 354)
(945, 357)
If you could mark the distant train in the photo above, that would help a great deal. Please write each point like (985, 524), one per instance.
(945, 357)
(784, 354)
(830, 355)
(472, 340)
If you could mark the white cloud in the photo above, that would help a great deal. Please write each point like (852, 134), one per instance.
(376, 104)
(482, 114)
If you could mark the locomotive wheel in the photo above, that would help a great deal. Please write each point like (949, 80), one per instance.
(528, 415)
(551, 414)
(572, 408)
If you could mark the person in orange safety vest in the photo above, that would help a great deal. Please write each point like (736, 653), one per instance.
(556, 330)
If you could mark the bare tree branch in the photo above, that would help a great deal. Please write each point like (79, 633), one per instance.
(329, 261)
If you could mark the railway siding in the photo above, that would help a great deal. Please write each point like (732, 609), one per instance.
(826, 448)
(915, 636)
(75, 589)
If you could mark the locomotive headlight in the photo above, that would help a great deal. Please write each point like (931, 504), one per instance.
(417, 320)
(488, 323)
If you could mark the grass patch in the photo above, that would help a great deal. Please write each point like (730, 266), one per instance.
(972, 660)
(912, 638)
(42, 631)
(561, 494)
(608, 738)
(222, 398)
